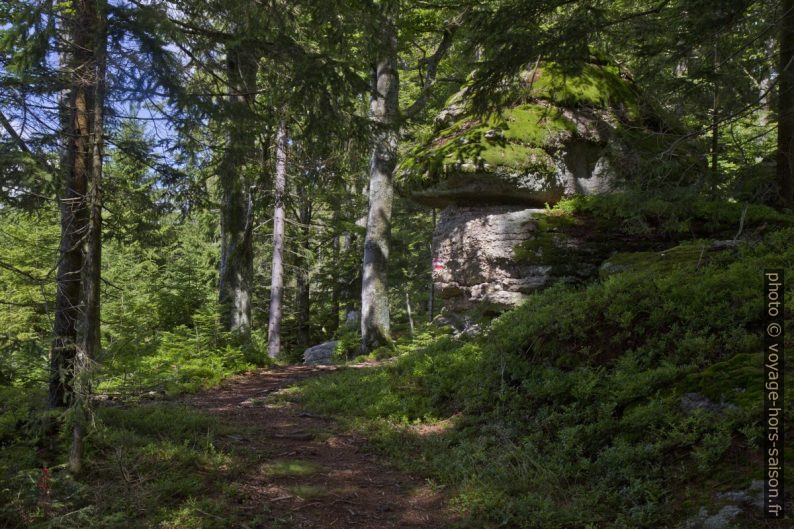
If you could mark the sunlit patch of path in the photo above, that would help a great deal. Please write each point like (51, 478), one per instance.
(305, 471)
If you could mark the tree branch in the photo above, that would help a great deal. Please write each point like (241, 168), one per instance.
(40, 162)
(14, 269)
(429, 79)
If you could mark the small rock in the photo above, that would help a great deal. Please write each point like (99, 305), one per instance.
(694, 401)
(722, 519)
(717, 246)
(320, 354)
(494, 134)
(753, 496)
(351, 319)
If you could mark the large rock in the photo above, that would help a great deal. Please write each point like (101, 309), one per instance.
(532, 155)
(493, 257)
(568, 133)
(320, 354)
(474, 262)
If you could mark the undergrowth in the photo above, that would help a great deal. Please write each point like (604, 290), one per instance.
(153, 465)
(569, 411)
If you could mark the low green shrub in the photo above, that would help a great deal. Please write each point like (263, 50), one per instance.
(571, 410)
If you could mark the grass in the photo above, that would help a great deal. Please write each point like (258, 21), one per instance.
(152, 465)
(292, 467)
(568, 412)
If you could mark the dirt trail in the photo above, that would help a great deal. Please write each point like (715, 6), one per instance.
(307, 472)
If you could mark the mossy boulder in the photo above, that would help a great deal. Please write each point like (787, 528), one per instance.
(561, 132)
(734, 381)
(492, 257)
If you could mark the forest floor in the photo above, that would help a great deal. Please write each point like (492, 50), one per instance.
(307, 471)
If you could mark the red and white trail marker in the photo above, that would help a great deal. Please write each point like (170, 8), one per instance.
(438, 265)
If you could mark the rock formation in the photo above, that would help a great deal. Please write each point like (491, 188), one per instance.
(320, 354)
(568, 133)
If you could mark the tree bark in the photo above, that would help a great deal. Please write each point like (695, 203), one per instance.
(785, 131)
(432, 293)
(73, 205)
(715, 124)
(92, 263)
(351, 287)
(384, 113)
(302, 294)
(765, 92)
(408, 310)
(277, 268)
(336, 287)
(237, 256)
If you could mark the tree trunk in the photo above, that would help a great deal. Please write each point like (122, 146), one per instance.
(237, 256)
(92, 264)
(432, 294)
(410, 315)
(765, 92)
(277, 268)
(336, 287)
(351, 287)
(73, 210)
(785, 131)
(384, 113)
(715, 125)
(302, 295)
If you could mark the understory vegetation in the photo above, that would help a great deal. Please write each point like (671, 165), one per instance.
(571, 410)
(152, 465)
(515, 246)
(631, 401)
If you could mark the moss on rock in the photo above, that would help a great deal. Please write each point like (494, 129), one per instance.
(599, 86)
(513, 141)
(685, 255)
(548, 107)
(733, 381)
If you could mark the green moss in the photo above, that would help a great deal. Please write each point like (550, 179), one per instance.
(515, 156)
(532, 124)
(516, 139)
(687, 255)
(642, 143)
(590, 85)
(547, 247)
(291, 467)
(736, 380)
(672, 213)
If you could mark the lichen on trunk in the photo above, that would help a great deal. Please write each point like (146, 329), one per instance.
(277, 266)
(384, 112)
(237, 258)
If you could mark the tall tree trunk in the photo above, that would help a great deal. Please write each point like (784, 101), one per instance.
(765, 92)
(302, 294)
(432, 294)
(277, 268)
(384, 113)
(237, 256)
(785, 130)
(715, 124)
(92, 264)
(408, 310)
(73, 211)
(336, 287)
(351, 287)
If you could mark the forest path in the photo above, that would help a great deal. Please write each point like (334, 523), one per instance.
(306, 471)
